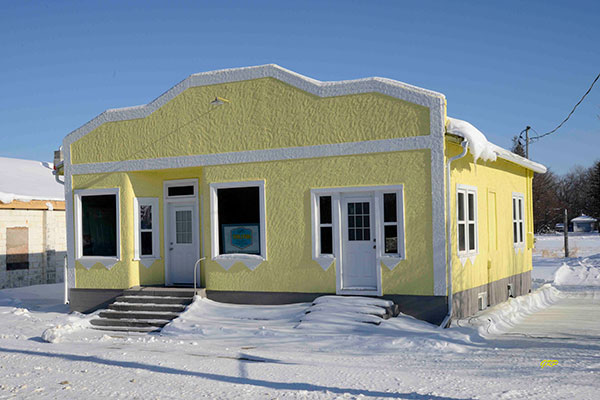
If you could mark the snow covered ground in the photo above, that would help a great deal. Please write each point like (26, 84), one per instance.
(231, 351)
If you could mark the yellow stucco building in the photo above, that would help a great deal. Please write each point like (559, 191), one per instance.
(291, 188)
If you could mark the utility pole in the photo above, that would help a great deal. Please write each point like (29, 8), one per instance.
(566, 231)
(527, 142)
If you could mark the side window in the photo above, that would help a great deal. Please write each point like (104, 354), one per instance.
(325, 226)
(466, 204)
(392, 229)
(518, 219)
(146, 216)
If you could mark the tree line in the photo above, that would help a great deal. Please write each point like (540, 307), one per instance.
(578, 191)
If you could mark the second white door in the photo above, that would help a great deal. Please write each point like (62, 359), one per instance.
(183, 243)
(358, 245)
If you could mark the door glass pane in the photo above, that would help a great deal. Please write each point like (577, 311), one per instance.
(461, 237)
(325, 209)
(471, 236)
(359, 221)
(183, 226)
(391, 239)
(461, 206)
(389, 207)
(326, 240)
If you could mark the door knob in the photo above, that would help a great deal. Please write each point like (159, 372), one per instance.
(170, 248)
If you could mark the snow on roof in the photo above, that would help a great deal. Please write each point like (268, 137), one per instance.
(487, 151)
(584, 218)
(26, 180)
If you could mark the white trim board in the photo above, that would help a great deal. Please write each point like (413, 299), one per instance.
(287, 153)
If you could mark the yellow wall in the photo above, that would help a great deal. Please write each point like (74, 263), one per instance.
(287, 195)
(497, 180)
(263, 113)
(128, 273)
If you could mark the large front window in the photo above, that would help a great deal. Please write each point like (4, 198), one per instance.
(98, 224)
(238, 218)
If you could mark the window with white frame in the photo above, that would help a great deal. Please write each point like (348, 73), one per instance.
(97, 223)
(466, 204)
(146, 228)
(518, 217)
(388, 218)
(325, 226)
(238, 218)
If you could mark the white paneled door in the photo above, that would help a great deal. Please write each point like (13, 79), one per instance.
(182, 243)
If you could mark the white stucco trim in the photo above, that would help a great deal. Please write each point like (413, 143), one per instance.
(288, 153)
(227, 260)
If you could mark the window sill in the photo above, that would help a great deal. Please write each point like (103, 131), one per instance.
(391, 261)
(325, 260)
(249, 260)
(146, 261)
(89, 261)
(467, 256)
(519, 247)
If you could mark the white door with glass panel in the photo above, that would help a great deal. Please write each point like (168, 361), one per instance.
(358, 244)
(182, 243)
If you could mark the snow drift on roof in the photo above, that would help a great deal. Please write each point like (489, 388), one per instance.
(26, 180)
(584, 218)
(478, 143)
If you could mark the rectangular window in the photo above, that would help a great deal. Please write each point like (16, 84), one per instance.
(325, 225)
(146, 222)
(179, 191)
(518, 201)
(466, 205)
(17, 248)
(99, 225)
(390, 223)
(238, 218)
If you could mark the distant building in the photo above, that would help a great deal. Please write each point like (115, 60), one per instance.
(32, 224)
(584, 223)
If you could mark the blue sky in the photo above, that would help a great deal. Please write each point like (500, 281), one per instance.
(502, 65)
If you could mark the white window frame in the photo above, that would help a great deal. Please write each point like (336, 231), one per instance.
(137, 203)
(389, 260)
(467, 253)
(89, 261)
(516, 197)
(226, 260)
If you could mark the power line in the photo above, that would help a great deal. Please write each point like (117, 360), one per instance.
(571, 113)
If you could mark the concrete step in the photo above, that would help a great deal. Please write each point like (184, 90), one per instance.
(133, 323)
(160, 291)
(127, 306)
(155, 299)
(141, 315)
(128, 329)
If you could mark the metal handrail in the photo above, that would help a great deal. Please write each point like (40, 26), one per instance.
(66, 284)
(195, 273)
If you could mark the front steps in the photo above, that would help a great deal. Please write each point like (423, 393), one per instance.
(144, 310)
(348, 311)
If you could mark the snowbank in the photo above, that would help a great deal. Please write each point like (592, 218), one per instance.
(478, 143)
(75, 322)
(505, 316)
(585, 273)
(27, 180)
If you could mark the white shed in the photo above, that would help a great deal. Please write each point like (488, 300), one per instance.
(584, 223)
